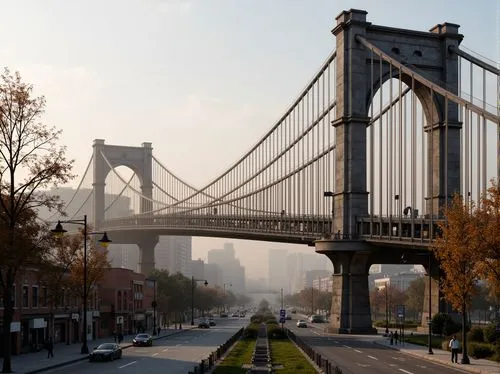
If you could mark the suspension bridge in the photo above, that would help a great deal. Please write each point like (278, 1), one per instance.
(359, 166)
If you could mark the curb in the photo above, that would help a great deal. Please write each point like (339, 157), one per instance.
(66, 363)
(437, 361)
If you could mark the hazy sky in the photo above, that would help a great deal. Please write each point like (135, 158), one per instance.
(202, 80)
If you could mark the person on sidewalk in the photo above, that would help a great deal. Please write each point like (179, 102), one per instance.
(455, 346)
(396, 336)
(50, 348)
(159, 330)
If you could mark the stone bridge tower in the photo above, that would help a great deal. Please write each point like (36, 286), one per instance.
(140, 160)
(429, 53)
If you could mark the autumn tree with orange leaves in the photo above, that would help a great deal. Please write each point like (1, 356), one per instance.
(457, 253)
(97, 265)
(54, 271)
(488, 233)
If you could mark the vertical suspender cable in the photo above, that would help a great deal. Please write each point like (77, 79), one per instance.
(381, 106)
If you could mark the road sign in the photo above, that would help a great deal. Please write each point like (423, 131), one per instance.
(401, 311)
(282, 319)
(282, 313)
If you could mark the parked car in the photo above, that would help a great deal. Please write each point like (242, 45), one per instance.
(211, 322)
(301, 323)
(106, 352)
(203, 324)
(144, 340)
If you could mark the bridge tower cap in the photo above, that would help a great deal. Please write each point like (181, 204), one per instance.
(352, 15)
(445, 28)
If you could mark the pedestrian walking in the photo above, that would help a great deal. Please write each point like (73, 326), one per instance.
(455, 346)
(159, 330)
(396, 336)
(50, 348)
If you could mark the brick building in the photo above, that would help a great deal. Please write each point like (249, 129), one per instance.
(35, 319)
(120, 301)
(126, 299)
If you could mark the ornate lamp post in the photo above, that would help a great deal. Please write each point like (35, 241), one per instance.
(387, 307)
(59, 230)
(193, 284)
(224, 285)
(154, 304)
(430, 307)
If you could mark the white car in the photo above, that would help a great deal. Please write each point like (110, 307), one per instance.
(301, 323)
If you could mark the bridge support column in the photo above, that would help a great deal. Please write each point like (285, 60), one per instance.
(147, 246)
(350, 313)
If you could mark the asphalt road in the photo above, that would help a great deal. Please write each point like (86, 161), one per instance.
(176, 354)
(358, 353)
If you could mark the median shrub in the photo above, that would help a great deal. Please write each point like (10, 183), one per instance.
(274, 331)
(476, 335)
(443, 324)
(480, 350)
(491, 335)
(251, 331)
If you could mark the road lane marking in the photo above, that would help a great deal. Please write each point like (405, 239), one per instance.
(405, 371)
(124, 366)
(165, 350)
(316, 333)
(178, 345)
(355, 350)
(155, 354)
(373, 358)
(347, 346)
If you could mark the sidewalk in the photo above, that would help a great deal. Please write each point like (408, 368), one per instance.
(481, 366)
(37, 362)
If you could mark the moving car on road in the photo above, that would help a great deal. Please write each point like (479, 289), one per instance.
(144, 340)
(301, 323)
(106, 352)
(211, 322)
(203, 324)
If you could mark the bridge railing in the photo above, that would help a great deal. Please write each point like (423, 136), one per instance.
(400, 228)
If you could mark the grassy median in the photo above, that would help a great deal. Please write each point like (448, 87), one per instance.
(285, 353)
(240, 355)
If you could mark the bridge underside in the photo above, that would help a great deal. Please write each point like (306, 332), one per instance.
(351, 313)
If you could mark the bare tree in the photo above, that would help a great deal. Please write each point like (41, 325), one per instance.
(30, 163)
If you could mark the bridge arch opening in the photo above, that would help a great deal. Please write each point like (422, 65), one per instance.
(397, 147)
(122, 192)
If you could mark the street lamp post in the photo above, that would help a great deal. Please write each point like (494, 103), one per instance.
(193, 284)
(224, 304)
(387, 307)
(312, 300)
(59, 230)
(430, 307)
(154, 305)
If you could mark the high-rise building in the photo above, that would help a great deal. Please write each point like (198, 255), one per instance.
(198, 269)
(232, 271)
(173, 253)
(213, 275)
(299, 263)
(277, 273)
